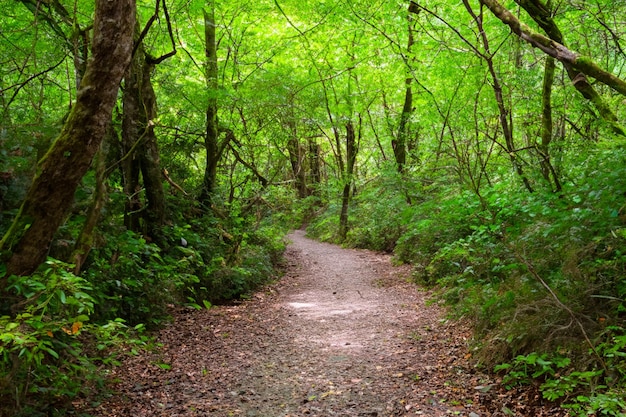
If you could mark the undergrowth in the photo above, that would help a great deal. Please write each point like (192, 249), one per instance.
(65, 331)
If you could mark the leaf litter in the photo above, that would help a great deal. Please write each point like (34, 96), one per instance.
(343, 333)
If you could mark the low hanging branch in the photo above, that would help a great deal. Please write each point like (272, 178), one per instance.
(560, 52)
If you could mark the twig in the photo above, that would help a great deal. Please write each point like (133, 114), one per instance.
(534, 273)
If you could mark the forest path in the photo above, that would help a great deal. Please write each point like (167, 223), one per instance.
(342, 334)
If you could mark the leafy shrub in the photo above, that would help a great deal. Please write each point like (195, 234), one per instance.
(325, 226)
(376, 219)
(41, 357)
(431, 226)
(132, 280)
(583, 392)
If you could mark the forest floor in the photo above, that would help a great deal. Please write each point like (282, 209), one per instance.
(343, 333)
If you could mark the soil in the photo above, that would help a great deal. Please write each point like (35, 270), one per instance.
(343, 333)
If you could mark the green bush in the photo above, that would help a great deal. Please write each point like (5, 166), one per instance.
(586, 392)
(431, 226)
(376, 219)
(133, 281)
(41, 356)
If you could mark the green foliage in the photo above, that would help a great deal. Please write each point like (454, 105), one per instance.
(325, 226)
(140, 282)
(459, 212)
(431, 226)
(582, 392)
(487, 256)
(377, 215)
(132, 281)
(41, 357)
(526, 368)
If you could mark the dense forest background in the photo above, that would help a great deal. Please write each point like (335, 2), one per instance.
(153, 154)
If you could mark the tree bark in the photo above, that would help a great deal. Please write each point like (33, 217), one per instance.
(296, 156)
(85, 240)
(400, 144)
(351, 152)
(541, 14)
(547, 170)
(150, 159)
(133, 133)
(212, 130)
(580, 66)
(139, 143)
(314, 166)
(51, 194)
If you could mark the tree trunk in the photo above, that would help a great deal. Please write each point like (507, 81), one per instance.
(149, 158)
(296, 156)
(141, 152)
(343, 216)
(578, 67)
(212, 130)
(547, 170)
(85, 240)
(133, 132)
(400, 144)
(314, 166)
(51, 194)
(351, 152)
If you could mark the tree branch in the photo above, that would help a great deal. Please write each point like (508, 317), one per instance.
(557, 50)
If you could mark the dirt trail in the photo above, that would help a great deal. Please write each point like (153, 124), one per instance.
(342, 334)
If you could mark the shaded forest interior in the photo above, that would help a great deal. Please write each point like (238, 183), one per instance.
(153, 155)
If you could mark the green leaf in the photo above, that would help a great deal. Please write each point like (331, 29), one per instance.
(82, 317)
(11, 326)
(50, 351)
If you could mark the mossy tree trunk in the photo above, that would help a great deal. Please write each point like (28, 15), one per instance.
(542, 15)
(578, 67)
(404, 127)
(59, 172)
(351, 152)
(141, 160)
(150, 159)
(547, 169)
(85, 240)
(133, 131)
(211, 136)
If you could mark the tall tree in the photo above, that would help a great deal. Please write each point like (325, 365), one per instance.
(400, 143)
(211, 137)
(547, 170)
(504, 113)
(352, 148)
(51, 194)
(139, 141)
(295, 150)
